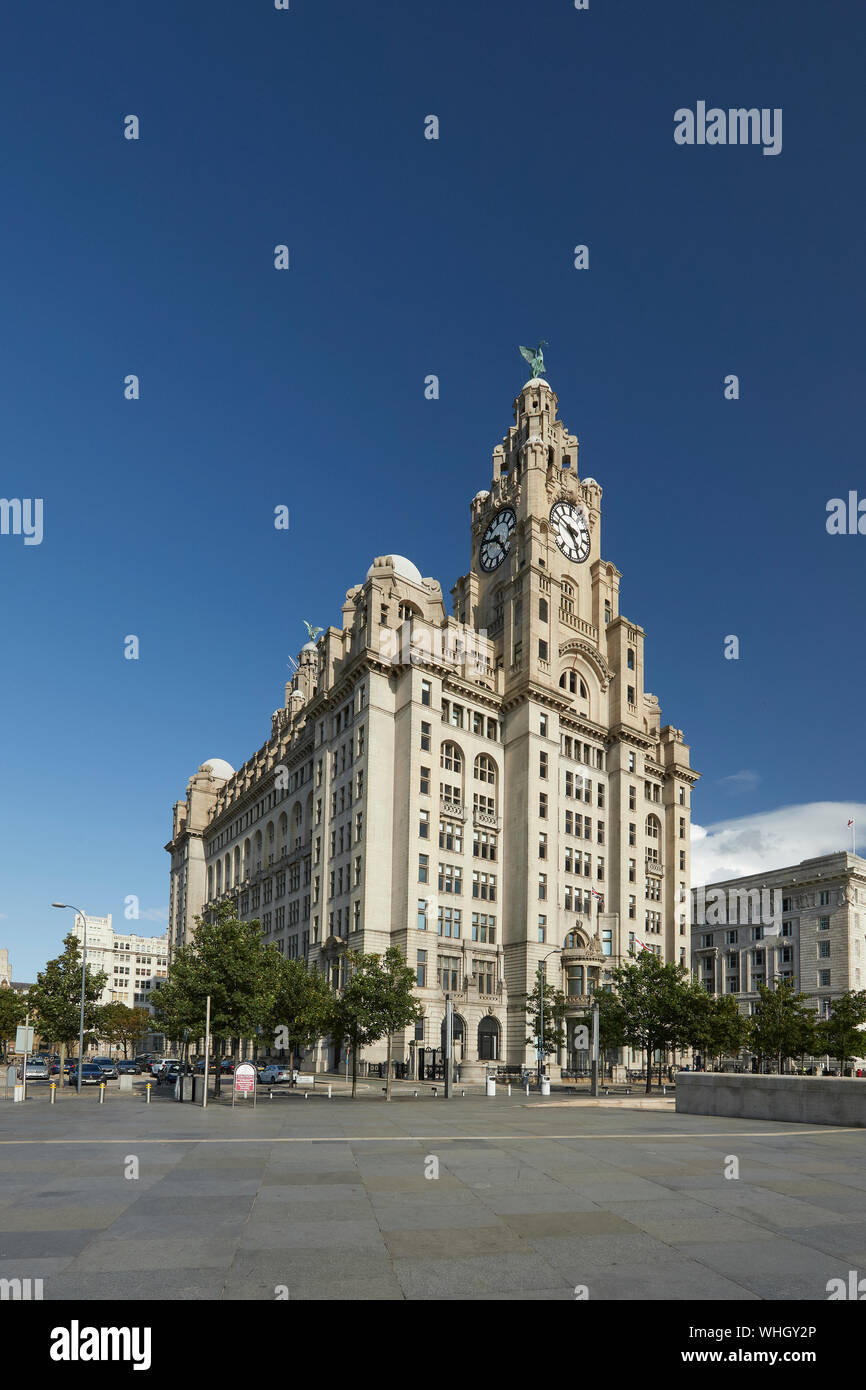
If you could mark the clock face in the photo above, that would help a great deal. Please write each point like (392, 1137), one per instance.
(496, 541)
(570, 531)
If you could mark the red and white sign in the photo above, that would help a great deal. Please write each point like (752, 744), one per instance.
(245, 1078)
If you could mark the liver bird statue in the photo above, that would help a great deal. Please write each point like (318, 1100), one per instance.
(312, 632)
(535, 359)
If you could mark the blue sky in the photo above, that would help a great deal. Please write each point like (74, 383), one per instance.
(305, 387)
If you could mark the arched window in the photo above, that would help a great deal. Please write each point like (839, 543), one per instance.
(246, 858)
(574, 941)
(570, 681)
(653, 826)
(283, 838)
(407, 612)
(451, 759)
(630, 658)
(237, 864)
(210, 882)
(488, 1039)
(228, 870)
(219, 877)
(485, 769)
(258, 854)
(566, 600)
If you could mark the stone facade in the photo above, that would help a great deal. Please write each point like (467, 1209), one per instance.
(486, 790)
(805, 923)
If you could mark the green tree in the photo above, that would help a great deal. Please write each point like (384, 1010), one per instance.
(783, 1024)
(554, 1015)
(13, 1010)
(649, 1006)
(228, 960)
(121, 1025)
(840, 1035)
(377, 1000)
(56, 999)
(302, 1007)
(728, 1031)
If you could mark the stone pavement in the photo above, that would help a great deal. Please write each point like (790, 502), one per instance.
(326, 1199)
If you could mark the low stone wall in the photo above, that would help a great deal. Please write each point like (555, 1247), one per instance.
(808, 1100)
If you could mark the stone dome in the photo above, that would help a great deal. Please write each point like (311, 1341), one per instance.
(403, 568)
(219, 767)
(590, 482)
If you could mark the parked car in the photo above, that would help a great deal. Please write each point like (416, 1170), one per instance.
(168, 1074)
(156, 1065)
(276, 1072)
(227, 1065)
(109, 1069)
(91, 1075)
(128, 1069)
(37, 1069)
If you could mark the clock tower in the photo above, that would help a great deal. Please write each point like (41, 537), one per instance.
(595, 799)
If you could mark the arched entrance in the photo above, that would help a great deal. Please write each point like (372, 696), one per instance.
(458, 1034)
(488, 1040)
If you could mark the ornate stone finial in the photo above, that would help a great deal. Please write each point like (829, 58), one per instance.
(535, 359)
(312, 632)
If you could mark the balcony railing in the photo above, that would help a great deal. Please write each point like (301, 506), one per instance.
(654, 866)
(487, 820)
(455, 809)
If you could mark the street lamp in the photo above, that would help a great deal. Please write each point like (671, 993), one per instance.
(556, 950)
(79, 913)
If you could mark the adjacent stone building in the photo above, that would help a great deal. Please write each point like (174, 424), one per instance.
(488, 789)
(805, 924)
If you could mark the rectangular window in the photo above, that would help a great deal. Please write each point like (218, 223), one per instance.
(424, 825)
(823, 923)
(448, 922)
(425, 781)
(421, 918)
(542, 929)
(542, 849)
(823, 978)
(542, 767)
(425, 736)
(542, 725)
(823, 950)
(424, 870)
(542, 805)
(425, 692)
(421, 970)
(542, 888)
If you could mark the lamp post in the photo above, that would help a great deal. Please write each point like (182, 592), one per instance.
(556, 950)
(79, 913)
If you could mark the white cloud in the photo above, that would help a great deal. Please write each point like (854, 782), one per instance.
(740, 781)
(773, 839)
(154, 914)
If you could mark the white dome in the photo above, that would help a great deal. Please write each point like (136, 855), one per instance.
(219, 767)
(480, 496)
(590, 482)
(402, 567)
(310, 647)
(537, 381)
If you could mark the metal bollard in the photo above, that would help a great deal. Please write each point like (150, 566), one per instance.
(270, 1095)
(101, 1092)
(329, 1087)
(509, 1084)
(53, 1089)
(415, 1094)
(527, 1084)
(147, 1088)
(463, 1093)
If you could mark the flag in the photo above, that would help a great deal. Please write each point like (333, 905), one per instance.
(642, 944)
(850, 823)
(600, 897)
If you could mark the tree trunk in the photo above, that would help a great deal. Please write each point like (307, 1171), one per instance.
(218, 1056)
(649, 1068)
(354, 1067)
(61, 1073)
(292, 1064)
(388, 1071)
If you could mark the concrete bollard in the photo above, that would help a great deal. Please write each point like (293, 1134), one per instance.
(102, 1091)
(53, 1089)
(527, 1084)
(415, 1093)
(509, 1084)
(463, 1093)
(147, 1088)
(329, 1084)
